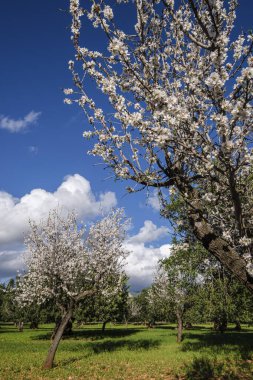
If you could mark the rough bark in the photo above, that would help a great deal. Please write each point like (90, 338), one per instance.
(51, 353)
(67, 331)
(216, 245)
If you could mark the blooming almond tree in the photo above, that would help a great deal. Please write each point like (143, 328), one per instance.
(63, 267)
(179, 116)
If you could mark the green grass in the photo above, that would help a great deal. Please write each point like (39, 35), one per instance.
(128, 353)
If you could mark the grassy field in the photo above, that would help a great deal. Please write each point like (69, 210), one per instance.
(128, 353)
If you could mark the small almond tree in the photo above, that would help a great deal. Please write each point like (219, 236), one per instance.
(176, 281)
(65, 268)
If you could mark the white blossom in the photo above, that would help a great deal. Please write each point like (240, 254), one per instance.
(108, 13)
(68, 91)
(179, 91)
(68, 101)
(63, 266)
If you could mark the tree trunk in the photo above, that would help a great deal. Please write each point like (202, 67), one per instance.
(20, 326)
(104, 324)
(34, 325)
(238, 326)
(220, 323)
(215, 244)
(179, 326)
(51, 353)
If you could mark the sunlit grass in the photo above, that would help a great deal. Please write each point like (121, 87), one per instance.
(127, 353)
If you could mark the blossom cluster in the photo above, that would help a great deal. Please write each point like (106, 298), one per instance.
(180, 93)
(64, 266)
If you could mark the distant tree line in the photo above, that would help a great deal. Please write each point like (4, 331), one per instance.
(96, 309)
(72, 277)
(190, 287)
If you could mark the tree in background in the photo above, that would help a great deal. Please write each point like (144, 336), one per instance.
(179, 89)
(2, 291)
(221, 298)
(8, 302)
(177, 281)
(11, 309)
(146, 312)
(64, 268)
(112, 309)
(103, 308)
(198, 289)
(133, 309)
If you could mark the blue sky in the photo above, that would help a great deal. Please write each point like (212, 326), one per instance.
(36, 47)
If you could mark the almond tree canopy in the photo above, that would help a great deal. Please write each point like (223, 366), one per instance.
(179, 114)
(64, 267)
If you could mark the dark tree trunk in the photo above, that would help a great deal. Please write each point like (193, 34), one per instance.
(57, 337)
(34, 325)
(179, 326)
(238, 326)
(216, 245)
(188, 325)
(220, 323)
(67, 331)
(104, 324)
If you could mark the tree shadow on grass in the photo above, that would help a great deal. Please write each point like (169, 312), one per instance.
(130, 345)
(204, 368)
(9, 327)
(88, 349)
(165, 327)
(213, 344)
(111, 345)
(217, 342)
(8, 331)
(104, 347)
(168, 327)
(91, 334)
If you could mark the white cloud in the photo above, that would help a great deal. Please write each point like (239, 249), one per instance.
(18, 125)
(74, 193)
(11, 263)
(153, 201)
(149, 232)
(143, 259)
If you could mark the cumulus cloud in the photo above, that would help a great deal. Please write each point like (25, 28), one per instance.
(149, 232)
(144, 257)
(17, 125)
(153, 201)
(10, 263)
(74, 193)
